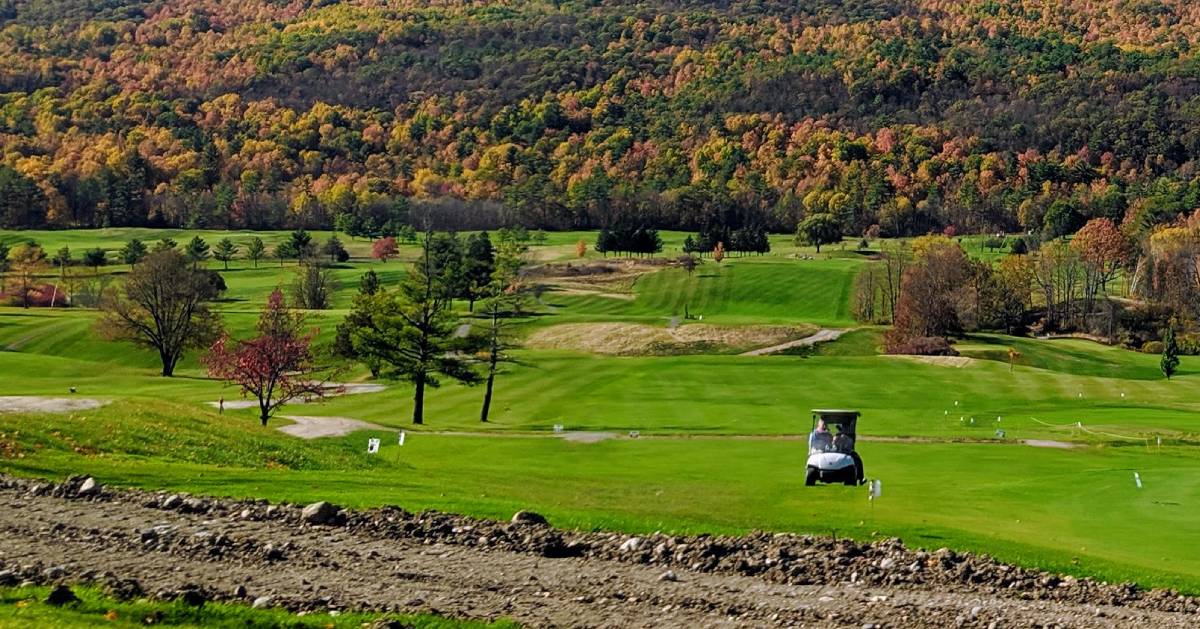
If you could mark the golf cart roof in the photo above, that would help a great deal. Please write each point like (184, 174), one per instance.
(833, 412)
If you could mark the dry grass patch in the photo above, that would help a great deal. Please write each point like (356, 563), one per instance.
(636, 339)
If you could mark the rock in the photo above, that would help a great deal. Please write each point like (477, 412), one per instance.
(239, 591)
(669, 575)
(261, 602)
(53, 572)
(631, 544)
(61, 595)
(886, 563)
(172, 502)
(8, 578)
(528, 517)
(89, 487)
(319, 513)
(195, 505)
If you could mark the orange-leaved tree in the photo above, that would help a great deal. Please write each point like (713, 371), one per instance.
(276, 366)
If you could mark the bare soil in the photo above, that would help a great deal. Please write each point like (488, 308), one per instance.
(139, 544)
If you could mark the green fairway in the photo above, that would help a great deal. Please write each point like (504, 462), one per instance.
(722, 435)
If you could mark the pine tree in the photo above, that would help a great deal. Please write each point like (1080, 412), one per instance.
(1170, 355)
(225, 251)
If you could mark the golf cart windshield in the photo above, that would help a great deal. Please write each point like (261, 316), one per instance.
(833, 431)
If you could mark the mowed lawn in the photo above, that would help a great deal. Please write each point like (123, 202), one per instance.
(722, 436)
(1075, 510)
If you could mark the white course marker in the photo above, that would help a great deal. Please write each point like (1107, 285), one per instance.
(372, 446)
(1137, 480)
(400, 439)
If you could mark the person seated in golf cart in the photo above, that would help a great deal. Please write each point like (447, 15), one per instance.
(820, 439)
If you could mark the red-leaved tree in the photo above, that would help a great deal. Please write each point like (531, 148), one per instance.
(384, 248)
(275, 367)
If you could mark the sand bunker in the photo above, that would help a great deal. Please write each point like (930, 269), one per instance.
(587, 437)
(347, 389)
(307, 427)
(635, 339)
(35, 404)
(957, 362)
(1046, 443)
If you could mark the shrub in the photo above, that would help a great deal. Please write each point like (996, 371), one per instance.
(1152, 347)
(923, 346)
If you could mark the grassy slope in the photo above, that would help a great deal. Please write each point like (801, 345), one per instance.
(23, 607)
(1039, 506)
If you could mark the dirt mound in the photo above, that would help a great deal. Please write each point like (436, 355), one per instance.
(135, 542)
(37, 404)
(635, 339)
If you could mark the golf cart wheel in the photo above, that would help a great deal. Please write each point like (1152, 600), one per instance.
(852, 479)
(810, 478)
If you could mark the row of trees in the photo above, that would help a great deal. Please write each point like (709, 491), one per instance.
(409, 333)
(930, 289)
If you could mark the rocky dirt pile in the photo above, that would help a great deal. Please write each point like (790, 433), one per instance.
(324, 538)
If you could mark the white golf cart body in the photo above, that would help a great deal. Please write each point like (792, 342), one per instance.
(830, 461)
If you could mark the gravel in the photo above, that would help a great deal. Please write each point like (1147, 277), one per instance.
(198, 549)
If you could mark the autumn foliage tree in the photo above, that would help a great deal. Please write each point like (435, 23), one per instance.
(930, 296)
(275, 367)
(384, 249)
(1104, 251)
(162, 305)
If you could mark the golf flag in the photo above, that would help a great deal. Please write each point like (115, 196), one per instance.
(372, 446)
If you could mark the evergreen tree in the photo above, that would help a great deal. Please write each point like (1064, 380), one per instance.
(133, 252)
(334, 249)
(479, 265)
(1170, 355)
(95, 258)
(196, 251)
(256, 250)
(369, 283)
(409, 333)
(225, 251)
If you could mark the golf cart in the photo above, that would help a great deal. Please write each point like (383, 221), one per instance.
(831, 454)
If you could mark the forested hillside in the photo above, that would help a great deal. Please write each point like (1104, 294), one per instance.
(911, 115)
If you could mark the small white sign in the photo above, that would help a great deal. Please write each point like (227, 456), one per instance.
(372, 446)
(401, 439)
(558, 428)
(875, 489)
(1137, 480)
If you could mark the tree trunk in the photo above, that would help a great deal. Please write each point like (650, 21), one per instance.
(168, 365)
(487, 396)
(419, 399)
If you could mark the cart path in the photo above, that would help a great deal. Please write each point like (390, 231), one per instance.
(388, 560)
(821, 336)
(314, 427)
